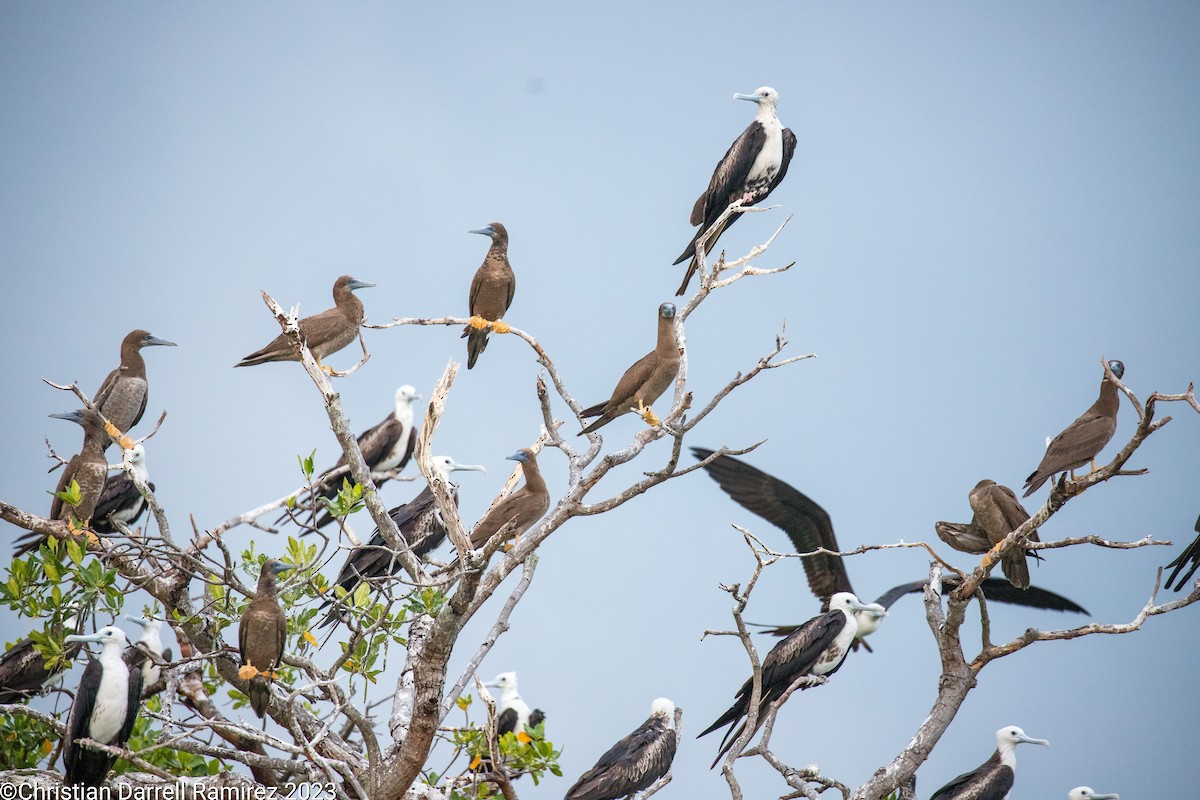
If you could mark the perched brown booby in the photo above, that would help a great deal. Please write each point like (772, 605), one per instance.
(1190, 554)
(810, 528)
(522, 508)
(992, 779)
(1084, 438)
(123, 395)
(121, 501)
(105, 707)
(492, 291)
(385, 447)
(419, 522)
(752, 167)
(324, 333)
(88, 468)
(998, 513)
(816, 648)
(635, 762)
(23, 670)
(645, 381)
(262, 634)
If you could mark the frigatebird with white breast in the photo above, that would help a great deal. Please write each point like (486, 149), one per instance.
(752, 167)
(993, 779)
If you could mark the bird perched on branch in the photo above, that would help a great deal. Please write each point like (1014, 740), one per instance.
(385, 447)
(88, 468)
(994, 777)
(998, 513)
(419, 522)
(105, 707)
(816, 648)
(121, 501)
(122, 396)
(492, 292)
(324, 333)
(752, 167)
(635, 762)
(262, 634)
(148, 652)
(645, 381)
(1084, 438)
(521, 509)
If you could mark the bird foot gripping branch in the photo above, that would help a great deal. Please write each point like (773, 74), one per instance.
(477, 322)
(114, 433)
(500, 326)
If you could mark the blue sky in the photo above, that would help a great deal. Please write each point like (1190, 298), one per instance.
(986, 201)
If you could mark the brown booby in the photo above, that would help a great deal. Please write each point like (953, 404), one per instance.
(645, 381)
(998, 513)
(1084, 438)
(121, 501)
(816, 648)
(386, 447)
(1088, 793)
(492, 291)
(105, 707)
(520, 509)
(1190, 554)
(23, 670)
(810, 528)
(992, 779)
(419, 522)
(324, 333)
(123, 395)
(262, 634)
(88, 468)
(635, 762)
(752, 167)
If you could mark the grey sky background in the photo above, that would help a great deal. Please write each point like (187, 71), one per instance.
(986, 200)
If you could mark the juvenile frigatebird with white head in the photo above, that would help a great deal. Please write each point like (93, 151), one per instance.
(993, 779)
(121, 501)
(809, 528)
(1088, 793)
(148, 652)
(106, 705)
(385, 447)
(513, 714)
(751, 169)
(817, 648)
(419, 522)
(635, 762)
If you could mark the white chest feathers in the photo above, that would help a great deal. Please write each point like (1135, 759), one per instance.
(112, 701)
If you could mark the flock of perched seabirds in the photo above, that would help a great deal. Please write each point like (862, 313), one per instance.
(107, 700)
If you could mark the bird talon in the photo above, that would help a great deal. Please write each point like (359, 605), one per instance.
(500, 326)
(477, 322)
(248, 672)
(649, 417)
